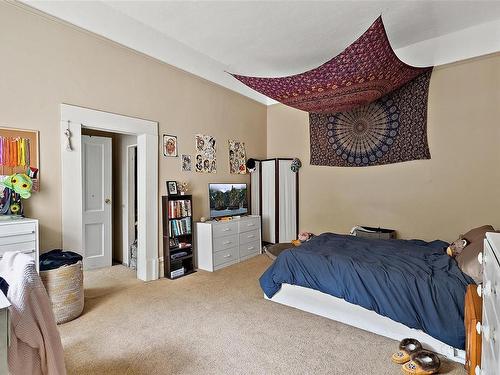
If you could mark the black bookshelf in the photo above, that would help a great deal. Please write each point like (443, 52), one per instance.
(178, 226)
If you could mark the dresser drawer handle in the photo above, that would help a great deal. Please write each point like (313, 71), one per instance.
(251, 236)
(250, 224)
(251, 248)
(227, 256)
(227, 229)
(485, 289)
(488, 334)
(18, 234)
(227, 242)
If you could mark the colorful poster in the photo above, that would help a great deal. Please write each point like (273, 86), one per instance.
(186, 163)
(237, 157)
(169, 145)
(206, 155)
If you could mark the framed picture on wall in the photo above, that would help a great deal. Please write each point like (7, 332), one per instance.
(169, 145)
(172, 188)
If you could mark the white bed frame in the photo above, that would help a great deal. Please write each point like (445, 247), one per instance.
(322, 304)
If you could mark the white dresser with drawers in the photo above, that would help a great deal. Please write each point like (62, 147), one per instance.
(19, 235)
(222, 243)
(490, 291)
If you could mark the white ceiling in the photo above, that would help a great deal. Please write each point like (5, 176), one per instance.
(276, 38)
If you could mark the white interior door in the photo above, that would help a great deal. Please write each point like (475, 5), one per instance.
(96, 168)
(287, 186)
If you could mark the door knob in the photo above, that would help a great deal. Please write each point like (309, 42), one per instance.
(107, 201)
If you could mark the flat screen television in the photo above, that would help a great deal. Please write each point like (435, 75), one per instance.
(227, 200)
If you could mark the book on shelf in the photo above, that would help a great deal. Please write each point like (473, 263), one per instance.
(179, 227)
(177, 272)
(179, 208)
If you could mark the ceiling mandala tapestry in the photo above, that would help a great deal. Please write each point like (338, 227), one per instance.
(391, 129)
(364, 72)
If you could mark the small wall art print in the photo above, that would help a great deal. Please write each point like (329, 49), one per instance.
(169, 145)
(186, 163)
(237, 157)
(206, 154)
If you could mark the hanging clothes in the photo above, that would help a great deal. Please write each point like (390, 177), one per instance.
(22, 157)
(35, 345)
(13, 153)
(28, 152)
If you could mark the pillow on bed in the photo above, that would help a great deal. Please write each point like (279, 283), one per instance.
(467, 259)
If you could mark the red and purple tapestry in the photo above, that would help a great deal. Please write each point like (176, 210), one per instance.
(389, 130)
(364, 72)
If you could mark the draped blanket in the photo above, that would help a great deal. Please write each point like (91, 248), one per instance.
(409, 281)
(364, 72)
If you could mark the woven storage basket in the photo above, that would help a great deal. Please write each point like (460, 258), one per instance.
(65, 289)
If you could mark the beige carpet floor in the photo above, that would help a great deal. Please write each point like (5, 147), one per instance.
(212, 323)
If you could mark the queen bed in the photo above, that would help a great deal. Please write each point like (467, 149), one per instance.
(395, 288)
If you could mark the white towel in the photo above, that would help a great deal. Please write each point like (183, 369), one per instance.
(35, 345)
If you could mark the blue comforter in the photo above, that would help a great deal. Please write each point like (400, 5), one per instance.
(410, 281)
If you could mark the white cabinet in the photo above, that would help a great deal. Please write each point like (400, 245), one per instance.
(490, 290)
(222, 243)
(19, 235)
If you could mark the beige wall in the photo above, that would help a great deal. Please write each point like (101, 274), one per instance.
(45, 63)
(457, 189)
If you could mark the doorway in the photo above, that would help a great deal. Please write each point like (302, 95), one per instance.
(76, 119)
(110, 198)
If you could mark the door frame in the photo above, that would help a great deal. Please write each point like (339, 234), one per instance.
(128, 218)
(74, 118)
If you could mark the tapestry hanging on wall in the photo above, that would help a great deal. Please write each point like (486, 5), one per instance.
(237, 157)
(206, 156)
(392, 129)
(364, 72)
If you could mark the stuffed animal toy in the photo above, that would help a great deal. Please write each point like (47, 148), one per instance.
(305, 236)
(20, 183)
(17, 186)
(456, 247)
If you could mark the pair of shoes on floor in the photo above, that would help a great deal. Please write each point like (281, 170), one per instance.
(414, 359)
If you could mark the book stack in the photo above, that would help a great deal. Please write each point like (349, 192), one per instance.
(179, 227)
(177, 273)
(178, 209)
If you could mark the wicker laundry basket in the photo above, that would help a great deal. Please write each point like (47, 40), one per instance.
(65, 289)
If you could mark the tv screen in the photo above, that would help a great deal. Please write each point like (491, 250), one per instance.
(227, 199)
